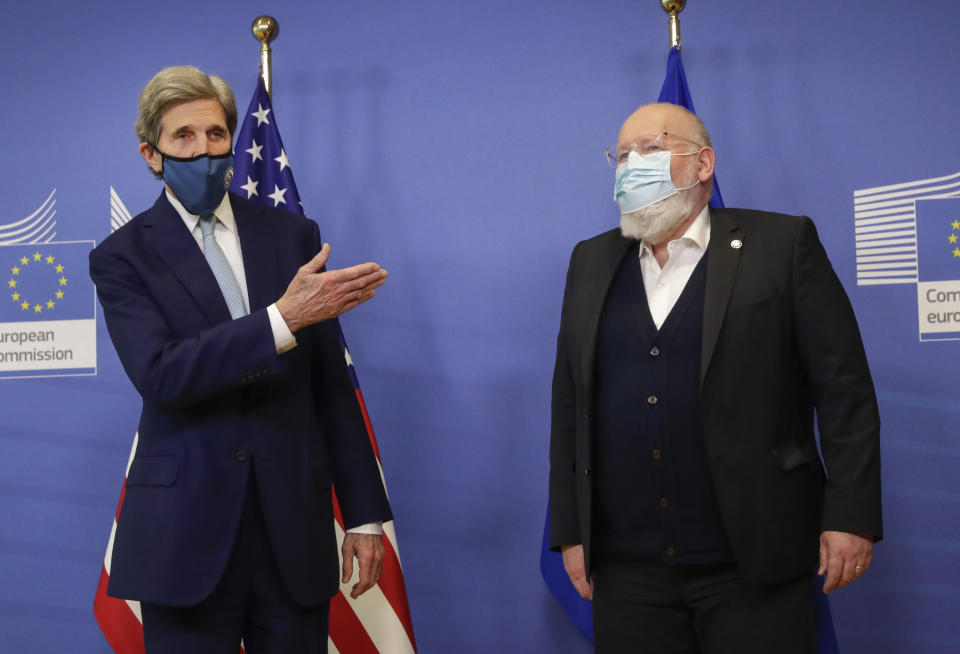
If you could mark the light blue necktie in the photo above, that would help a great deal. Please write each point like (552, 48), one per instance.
(221, 268)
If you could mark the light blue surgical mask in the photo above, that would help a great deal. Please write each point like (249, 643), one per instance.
(198, 182)
(644, 179)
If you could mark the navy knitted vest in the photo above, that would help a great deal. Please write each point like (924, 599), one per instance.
(654, 497)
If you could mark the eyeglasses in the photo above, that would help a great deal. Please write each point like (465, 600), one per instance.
(646, 144)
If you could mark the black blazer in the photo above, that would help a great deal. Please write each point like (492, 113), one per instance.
(215, 396)
(780, 345)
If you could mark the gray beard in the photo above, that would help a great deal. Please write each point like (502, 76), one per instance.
(658, 221)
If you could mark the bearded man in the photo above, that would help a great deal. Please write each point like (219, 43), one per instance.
(696, 346)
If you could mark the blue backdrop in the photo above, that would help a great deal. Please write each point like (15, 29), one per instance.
(459, 143)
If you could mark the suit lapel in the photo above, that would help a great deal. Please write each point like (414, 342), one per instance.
(596, 285)
(722, 261)
(174, 244)
(257, 242)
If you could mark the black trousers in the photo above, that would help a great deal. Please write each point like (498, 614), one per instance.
(250, 603)
(702, 609)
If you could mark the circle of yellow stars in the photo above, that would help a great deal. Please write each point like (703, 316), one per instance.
(952, 239)
(16, 275)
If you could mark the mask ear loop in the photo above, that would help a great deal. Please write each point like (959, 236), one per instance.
(685, 154)
(160, 152)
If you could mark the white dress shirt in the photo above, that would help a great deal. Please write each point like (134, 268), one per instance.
(228, 238)
(225, 232)
(664, 285)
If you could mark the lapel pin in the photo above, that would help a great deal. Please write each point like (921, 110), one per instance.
(736, 244)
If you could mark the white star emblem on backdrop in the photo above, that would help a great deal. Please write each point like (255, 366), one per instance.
(277, 195)
(261, 115)
(255, 152)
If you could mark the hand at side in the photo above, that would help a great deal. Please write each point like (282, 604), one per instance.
(574, 564)
(368, 548)
(843, 557)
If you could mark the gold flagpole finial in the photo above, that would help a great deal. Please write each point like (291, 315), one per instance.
(265, 29)
(674, 7)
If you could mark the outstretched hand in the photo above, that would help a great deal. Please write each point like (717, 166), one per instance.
(314, 296)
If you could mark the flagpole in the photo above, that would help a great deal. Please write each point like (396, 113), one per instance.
(674, 7)
(265, 29)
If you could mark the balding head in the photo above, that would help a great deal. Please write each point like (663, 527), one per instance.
(671, 118)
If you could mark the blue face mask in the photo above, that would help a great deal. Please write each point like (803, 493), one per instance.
(198, 182)
(643, 180)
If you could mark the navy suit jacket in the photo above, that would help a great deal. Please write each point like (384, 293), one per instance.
(217, 398)
(780, 343)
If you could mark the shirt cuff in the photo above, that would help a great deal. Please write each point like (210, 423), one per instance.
(283, 338)
(368, 528)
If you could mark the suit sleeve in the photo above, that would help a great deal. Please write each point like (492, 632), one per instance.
(564, 524)
(357, 480)
(169, 370)
(847, 415)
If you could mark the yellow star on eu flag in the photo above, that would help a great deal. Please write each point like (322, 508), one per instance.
(49, 258)
(15, 270)
(955, 224)
(24, 305)
(16, 297)
(36, 256)
(37, 308)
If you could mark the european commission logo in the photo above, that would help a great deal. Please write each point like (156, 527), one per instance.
(48, 314)
(910, 234)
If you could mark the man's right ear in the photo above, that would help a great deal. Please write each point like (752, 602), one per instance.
(152, 157)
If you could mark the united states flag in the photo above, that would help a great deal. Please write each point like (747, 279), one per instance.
(378, 622)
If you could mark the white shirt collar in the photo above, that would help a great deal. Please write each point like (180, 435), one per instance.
(224, 212)
(697, 234)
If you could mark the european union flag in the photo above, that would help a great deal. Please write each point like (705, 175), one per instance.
(46, 281)
(938, 239)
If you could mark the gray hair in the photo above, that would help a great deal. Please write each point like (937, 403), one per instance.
(176, 85)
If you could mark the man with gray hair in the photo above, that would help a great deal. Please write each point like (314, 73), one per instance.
(696, 345)
(224, 319)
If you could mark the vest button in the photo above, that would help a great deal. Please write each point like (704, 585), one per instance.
(654, 351)
(586, 472)
(670, 551)
(662, 502)
(652, 400)
(241, 456)
(656, 454)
